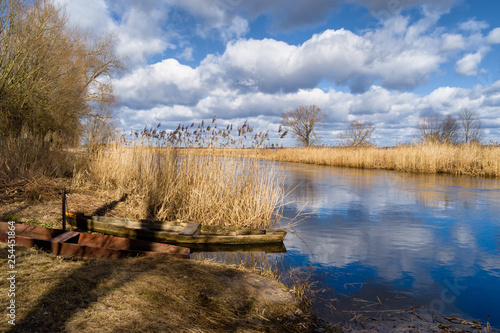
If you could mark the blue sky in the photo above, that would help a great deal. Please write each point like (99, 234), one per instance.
(385, 62)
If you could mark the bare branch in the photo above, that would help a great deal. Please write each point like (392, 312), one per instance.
(470, 126)
(303, 122)
(358, 134)
(434, 128)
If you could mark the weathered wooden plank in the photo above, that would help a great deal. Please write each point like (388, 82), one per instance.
(64, 237)
(230, 231)
(191, 229)
(265, 237)
(93, 245)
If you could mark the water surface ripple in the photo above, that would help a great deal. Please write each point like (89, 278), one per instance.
(382, 241)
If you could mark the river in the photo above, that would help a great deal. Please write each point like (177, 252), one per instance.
(376, 242)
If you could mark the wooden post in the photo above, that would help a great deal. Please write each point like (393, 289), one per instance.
(64, 192)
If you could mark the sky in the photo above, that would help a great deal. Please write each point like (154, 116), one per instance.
(378, 61)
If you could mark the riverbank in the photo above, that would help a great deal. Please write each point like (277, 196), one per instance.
(145, 294)
(139, 293)
(135, 294)
(457, 160)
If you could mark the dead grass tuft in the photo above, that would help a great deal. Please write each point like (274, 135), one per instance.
(148, 295)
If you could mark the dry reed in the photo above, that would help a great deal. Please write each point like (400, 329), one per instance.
(169, 186)
(468, 160)
(29, 155)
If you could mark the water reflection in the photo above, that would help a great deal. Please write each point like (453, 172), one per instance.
(388, 240)
(396, 233)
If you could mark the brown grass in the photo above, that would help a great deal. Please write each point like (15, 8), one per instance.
(146, 295)
(32, 156)
(468, 160)
(212, 190)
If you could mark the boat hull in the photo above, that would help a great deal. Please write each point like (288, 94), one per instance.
(86, 246)
(171, 232)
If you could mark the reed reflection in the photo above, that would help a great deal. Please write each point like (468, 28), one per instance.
(400, 232)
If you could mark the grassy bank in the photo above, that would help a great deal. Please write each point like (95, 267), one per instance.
(468, 160)
(147, 295)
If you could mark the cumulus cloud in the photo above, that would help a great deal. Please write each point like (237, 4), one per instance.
(394, 113)
(469, 64)
(399, 55)
(494, 36)
(258, 79)
(474, 25)
(137, 25)
(391, 56)
(164, 83)
(91, 14)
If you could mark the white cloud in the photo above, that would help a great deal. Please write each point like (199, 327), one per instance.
(474, 25)
(137, 25)
(494, 36)
(187, 54)
(399, 55)
(236, 29)
(164, 83)
(394, 114)
(258, 79)
(91, 14)
(469, 64)
(213, 15)
(452, 42)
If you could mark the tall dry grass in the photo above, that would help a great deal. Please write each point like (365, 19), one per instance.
(469, 160)
(29, 156)
(165, 185)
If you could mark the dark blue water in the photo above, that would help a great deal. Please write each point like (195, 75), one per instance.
(373, 242)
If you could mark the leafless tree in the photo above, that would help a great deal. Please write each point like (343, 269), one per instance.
(433, 127)
(470, 126)
(303, 122)
(358, 134)
(51, 74)
(449, 129)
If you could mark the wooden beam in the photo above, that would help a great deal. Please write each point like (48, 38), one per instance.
(191, 229)
(64, 237)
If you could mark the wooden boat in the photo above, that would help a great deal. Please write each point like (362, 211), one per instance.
(84, 245)
(176, 232)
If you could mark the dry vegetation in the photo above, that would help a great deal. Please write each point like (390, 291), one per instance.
(146, 294)
(164, 185)
(468, 160)
(29, 156)
(208, 189)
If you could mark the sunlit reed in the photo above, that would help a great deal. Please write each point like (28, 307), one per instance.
(469, 160)
(165, 184)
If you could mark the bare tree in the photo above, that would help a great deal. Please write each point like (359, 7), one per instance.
(433, 127)
(358, 134)
(470, 126)
(98, 128)
(303, 122)
(51, 74)
(449, 129)
(428, 127)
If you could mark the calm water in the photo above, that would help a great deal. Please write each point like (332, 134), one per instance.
(382, 241)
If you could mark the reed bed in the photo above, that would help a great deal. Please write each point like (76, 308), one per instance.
(162, 184)
(467, 160)
(29, 156)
